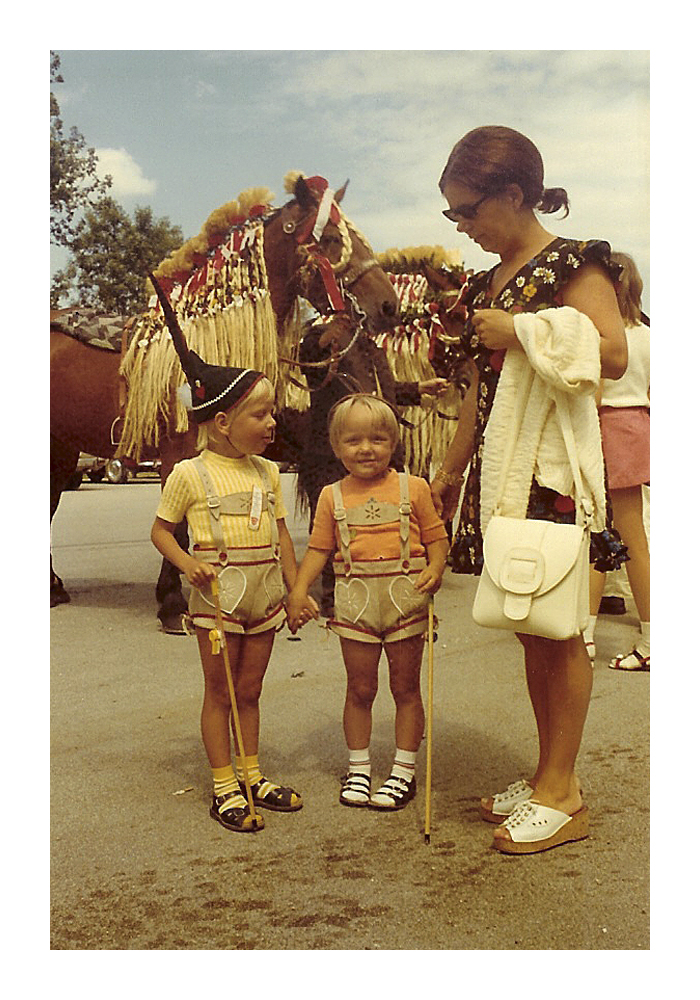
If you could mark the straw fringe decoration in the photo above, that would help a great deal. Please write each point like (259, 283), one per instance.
(223, 305)
(407, 347)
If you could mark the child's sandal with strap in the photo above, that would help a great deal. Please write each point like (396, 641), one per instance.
(394, 794)
(267, 795)
(355, 790)
(233, 812)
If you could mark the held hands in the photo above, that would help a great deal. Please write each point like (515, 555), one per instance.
(495, 329)
(301, 608)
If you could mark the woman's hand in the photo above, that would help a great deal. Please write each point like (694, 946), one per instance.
(445, 498)
(495, 329)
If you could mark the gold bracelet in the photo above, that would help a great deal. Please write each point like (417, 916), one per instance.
(451, 478)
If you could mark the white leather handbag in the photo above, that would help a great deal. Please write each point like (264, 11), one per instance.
(535, 578)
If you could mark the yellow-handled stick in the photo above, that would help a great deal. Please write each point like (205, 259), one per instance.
(429, 720)
(258, 821)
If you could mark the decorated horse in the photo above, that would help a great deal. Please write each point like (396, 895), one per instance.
(238, 290)
(404, 364)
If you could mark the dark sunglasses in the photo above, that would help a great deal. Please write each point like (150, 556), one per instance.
(464, 211)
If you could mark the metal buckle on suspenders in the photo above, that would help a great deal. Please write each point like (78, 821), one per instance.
(341, 519)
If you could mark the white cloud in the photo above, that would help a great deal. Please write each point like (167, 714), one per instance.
(127, 176)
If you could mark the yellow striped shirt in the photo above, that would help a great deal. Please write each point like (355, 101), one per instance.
(184, 496)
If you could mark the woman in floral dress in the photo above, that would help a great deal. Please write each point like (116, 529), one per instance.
(493, 184)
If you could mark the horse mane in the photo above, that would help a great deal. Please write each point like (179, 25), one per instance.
(181, 262)
(410, 259)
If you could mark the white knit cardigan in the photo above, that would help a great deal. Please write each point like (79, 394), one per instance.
(562, 345)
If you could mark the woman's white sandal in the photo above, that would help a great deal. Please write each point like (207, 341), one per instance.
(504, 803)
(533, 827)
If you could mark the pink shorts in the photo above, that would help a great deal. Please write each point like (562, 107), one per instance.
(625, 431)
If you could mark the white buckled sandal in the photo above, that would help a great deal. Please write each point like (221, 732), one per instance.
(534, 827)
(503, 804)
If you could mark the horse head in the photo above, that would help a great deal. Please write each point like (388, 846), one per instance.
(313, 250)
(448, 356)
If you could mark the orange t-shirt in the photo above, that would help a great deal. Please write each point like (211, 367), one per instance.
(378, 541)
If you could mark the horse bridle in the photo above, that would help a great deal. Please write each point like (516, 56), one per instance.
(337, 281)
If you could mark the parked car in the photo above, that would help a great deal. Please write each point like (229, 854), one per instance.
(114, 470)
(121, 470)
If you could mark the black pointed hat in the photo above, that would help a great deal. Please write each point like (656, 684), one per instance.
(214, 388)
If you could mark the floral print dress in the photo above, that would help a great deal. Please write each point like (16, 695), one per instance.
(538, 285)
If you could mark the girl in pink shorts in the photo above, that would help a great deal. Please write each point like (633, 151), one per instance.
(625, 432)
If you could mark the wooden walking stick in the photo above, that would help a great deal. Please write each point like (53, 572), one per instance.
(258, 821)
(429, 727)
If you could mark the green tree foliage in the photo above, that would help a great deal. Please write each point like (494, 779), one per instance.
(111, 255)
(73, 178)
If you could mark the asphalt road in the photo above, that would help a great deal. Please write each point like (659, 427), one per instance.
(137, 864)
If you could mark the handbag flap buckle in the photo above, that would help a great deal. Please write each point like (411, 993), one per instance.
(522, 571)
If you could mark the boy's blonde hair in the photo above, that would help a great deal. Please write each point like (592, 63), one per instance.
(262, 388)
(381, 412)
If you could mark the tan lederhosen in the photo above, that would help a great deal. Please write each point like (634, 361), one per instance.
(251, 587)
(375, 599)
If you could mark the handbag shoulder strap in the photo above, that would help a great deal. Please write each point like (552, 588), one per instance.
(584, 504)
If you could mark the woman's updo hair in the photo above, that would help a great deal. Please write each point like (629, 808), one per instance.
(490, 158)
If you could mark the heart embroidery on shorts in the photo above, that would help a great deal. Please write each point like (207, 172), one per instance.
(274, 587)
(232, 584)
(404, 595)
(355, 599)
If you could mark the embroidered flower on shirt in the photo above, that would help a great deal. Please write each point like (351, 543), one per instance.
(572, 261)
(372, 510)
(520, 280)
(554, 255)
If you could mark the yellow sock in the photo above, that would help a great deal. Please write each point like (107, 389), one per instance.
(225, 780)
(254, 772)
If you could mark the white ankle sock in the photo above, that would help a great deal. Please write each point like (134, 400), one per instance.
(405, 764)
(359, 761)
(589, 630)
(643, 644)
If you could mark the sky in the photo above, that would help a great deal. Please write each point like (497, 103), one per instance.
(187, 131)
